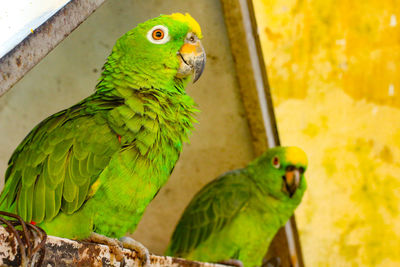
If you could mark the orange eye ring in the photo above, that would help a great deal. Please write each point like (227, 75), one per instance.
(157, 34)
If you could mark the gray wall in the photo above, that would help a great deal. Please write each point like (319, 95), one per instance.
(221, 141)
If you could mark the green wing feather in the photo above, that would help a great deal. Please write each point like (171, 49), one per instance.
(54, 166)
(210, 210)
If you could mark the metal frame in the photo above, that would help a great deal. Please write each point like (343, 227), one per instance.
(22, 58)
(253, 82)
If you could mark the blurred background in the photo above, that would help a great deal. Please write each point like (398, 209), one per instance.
(334, 73)
(333, 69)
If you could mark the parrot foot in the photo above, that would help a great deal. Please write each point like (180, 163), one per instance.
(272, 262)
(124, 242)
(141, 250)
(114, 244)
(232, 262)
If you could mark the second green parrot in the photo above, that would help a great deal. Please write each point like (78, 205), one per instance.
(237, 215)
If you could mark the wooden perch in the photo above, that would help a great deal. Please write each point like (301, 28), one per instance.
(65, 252)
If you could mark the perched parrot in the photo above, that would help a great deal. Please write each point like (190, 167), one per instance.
(237, 215)
(95, 166)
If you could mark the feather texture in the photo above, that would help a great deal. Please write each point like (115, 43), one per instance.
(96, 165)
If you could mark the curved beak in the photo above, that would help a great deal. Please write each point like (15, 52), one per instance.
(292, 180)
(192, 59)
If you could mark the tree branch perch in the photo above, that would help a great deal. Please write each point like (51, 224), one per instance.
(65, 252)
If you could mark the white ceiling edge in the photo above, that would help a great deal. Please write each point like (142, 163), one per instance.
(19, 18)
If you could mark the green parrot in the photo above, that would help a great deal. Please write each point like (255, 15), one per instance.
(95, 166)
(237, 215)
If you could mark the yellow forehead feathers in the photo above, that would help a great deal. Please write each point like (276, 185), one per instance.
(295, 155)
(193, 25)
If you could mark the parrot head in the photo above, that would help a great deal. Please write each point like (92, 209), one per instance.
(161, 52)
(282, 170)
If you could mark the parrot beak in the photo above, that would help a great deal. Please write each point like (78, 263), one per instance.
(291, 179)
(192, 58)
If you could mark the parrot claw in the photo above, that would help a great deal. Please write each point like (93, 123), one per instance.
(114, 244)
(124, 242)
(141, 250)
(232, 262)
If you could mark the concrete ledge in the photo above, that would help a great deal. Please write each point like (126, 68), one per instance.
(17, 62)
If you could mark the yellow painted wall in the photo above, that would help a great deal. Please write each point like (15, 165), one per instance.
(334, 71)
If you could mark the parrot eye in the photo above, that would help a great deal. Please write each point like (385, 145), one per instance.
(275, 162)
(158, 35)
(191, 38)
